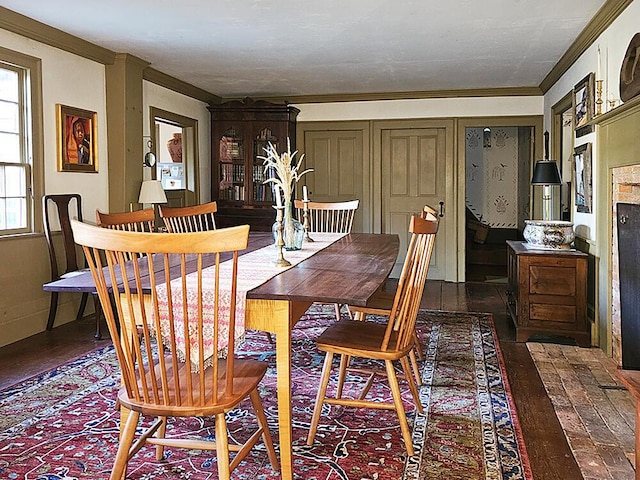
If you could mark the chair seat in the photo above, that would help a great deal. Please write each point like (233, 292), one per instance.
(363, 339)
(247, 375)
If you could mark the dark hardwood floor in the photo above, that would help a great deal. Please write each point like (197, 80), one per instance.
(548, 451)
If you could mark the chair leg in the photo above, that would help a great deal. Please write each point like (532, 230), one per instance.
(53, 308)
(222, 447)
(83, 305)
(337, 307)
(160, 434)
(269, 337)
(397, 400)
(412, 386)
(415, 368)
(126, 440)
(98, 310)
(326, 370)
(266, 434)
(344, 363)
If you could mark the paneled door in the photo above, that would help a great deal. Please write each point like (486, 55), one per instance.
(340, 160)
(416, 170)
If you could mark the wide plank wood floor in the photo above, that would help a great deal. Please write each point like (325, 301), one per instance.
(549, 453)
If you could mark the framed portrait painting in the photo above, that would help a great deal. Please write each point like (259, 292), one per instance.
(583, 176)
(583, 105)
(76, 131)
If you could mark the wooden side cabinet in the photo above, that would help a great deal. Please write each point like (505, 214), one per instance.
(547, 292)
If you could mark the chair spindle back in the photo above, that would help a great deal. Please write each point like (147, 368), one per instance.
(330, 217)
(197, 218)
(160, 368)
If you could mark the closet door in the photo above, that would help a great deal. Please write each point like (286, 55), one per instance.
(340, 161)
(416, 170)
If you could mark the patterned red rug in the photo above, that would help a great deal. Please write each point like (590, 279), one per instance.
(62, 425)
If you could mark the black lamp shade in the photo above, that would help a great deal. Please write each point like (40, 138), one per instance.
(546, 173)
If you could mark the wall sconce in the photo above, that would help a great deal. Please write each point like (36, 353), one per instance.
(149, 157)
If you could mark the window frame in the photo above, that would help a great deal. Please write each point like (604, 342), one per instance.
(31, 144)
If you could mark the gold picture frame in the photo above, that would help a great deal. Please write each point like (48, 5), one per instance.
(583, 105)
(76, 131)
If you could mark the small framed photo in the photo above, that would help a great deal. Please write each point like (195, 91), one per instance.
(583, 176)
(76, 131)
(583, 105)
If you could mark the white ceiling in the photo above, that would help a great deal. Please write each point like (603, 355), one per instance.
(238, 48)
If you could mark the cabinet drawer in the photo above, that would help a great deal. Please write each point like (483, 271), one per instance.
(543, 313)
(545, 280)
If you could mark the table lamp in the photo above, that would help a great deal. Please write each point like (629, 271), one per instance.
(546, 173)
(152, 192)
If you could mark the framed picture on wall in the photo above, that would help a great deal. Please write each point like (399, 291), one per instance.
(582, 177)
(76, 132)
(583, 105)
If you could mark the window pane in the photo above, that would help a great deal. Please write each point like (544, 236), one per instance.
(8, 85)
(9, 117)
(16, 213)
(3, 215)
(15, 182)
(2, 182)
(9, 147)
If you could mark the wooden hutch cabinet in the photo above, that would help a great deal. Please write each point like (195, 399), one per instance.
(547, 292)
(240, 130)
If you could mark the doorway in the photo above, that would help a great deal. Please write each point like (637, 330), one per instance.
(496, 156)
(175, 145)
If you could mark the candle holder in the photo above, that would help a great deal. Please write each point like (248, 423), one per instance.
(598, 97)
(305, 218)
(280, 260)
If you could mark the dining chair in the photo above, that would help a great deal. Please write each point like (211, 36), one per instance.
(136, 221)
(382, 301)
(388, 342)
(331, 217)
(65, 207)
(162, 374)
(328, 217)
(196, 218)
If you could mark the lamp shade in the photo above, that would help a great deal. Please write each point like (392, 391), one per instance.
(152, 192)
(546, 172)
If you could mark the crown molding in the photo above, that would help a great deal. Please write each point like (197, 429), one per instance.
(30, 28)
(598, 24)
(413, 95)
(172, 83)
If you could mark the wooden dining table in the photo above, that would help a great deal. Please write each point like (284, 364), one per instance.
(348, 271)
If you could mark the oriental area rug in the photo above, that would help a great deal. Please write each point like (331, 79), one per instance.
(63, 424)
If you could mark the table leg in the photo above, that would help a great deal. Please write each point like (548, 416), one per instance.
(283, 368)
(279, 317)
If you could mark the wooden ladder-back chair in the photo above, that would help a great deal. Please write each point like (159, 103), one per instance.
(197, 218)
(67, 206)
(328, 217)
(136, 221)
(388, 342)
(162, 375)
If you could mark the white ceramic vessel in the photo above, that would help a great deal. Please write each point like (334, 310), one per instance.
(549, 234)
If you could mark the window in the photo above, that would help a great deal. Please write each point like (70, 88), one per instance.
(19, 76)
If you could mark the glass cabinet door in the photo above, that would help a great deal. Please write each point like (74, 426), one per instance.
(232, 168)
(262, 193)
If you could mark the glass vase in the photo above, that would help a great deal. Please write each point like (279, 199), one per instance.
(292, 230)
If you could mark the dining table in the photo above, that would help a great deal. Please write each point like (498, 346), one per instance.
(348, 271)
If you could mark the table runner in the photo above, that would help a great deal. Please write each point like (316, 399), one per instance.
(254, 269)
